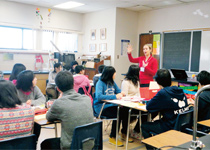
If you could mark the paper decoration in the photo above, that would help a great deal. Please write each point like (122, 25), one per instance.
(39, 16)
(49, 15)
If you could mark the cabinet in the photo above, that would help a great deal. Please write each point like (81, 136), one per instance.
(92, 71)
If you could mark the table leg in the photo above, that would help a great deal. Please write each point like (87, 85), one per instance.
(118, 111)
(129, 117)
(140, 124)
(56, 135)
(149, 117)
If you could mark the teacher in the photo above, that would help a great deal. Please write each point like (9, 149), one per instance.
(148, 65)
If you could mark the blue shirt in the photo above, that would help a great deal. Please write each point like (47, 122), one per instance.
(105, 92)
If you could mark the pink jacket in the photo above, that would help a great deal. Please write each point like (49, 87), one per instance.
(80, 81)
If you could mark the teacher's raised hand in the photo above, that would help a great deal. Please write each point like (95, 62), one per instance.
(129, 49)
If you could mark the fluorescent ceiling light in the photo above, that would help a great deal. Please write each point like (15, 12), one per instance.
(69, 5)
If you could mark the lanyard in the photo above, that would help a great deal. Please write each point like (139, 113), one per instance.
(147, 60)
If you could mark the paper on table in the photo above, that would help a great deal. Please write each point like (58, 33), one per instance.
(39, 117)
(142, 107)
(132, 98)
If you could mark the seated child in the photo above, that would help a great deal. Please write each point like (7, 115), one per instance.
(80, 80)
(169, 101)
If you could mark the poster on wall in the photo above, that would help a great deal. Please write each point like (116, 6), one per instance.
(124, 45)
(8, 57)
(156, 44)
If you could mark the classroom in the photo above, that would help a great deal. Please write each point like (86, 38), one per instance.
(101, 31)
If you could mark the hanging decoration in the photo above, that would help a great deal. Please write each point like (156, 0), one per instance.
(49, 15)
(39, 16)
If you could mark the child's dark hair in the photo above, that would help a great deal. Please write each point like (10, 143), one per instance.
(64, 80)
(101, 68)
(133, 74)
(24, 80)
(17, 68)
(203, 77)
(8, 95)
(163, 77)
(79, 68)
(56, 65)
(107, 75)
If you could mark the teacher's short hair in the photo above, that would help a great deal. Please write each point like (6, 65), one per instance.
(163, 77)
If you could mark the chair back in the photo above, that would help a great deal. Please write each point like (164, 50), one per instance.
(1, 75)
(87, 133)
(184, 120)
(88, 89)
(19, 143)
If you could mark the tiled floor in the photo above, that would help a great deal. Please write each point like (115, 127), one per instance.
(136, 145)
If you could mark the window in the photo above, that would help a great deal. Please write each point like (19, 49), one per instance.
(28, 38)
(16, 38)
(67, 42)
(47, 36)
(10, 38)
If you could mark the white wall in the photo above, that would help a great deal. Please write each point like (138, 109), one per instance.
(23, 15)
(179, 18)
(126, 28)
(98, 20)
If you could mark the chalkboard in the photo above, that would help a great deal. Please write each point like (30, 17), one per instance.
(196, 48)
(177, 49)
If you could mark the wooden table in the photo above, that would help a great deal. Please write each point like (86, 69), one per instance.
(171, 137)
(131, 105)
(42, 121)
(205, 123)
(204, 139)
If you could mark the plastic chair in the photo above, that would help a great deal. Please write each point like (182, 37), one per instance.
(101, 117)
(85, 133)
(19, 143)
(1, 75)
(184, 120)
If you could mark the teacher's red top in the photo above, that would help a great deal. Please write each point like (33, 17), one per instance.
(146, 75)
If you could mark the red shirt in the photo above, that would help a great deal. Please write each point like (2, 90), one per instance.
(149, 71)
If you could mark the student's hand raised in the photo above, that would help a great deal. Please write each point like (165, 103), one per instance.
(129, 49)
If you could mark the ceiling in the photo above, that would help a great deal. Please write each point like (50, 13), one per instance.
(97, 5)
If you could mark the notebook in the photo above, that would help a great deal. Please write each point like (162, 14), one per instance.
(179, 74)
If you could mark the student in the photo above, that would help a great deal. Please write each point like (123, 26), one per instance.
(50, 90)
(72, 109)
(17, 68)
(27, 90)
(80, 80)
(73, 65)
(130, 85)
(169, 101)
(97, 76)
(204, 98)
(30, 94)
(13, 113)
(148, 65)
(107, 89)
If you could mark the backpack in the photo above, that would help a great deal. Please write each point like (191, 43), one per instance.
(88, 93)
